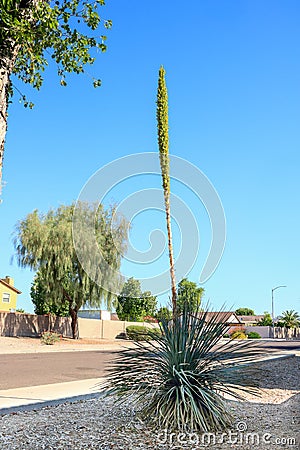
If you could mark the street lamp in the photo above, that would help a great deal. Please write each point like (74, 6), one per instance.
(274, 289)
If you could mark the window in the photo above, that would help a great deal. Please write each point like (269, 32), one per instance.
(6, 297)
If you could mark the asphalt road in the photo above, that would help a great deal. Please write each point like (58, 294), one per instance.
(34, 369)
(284, 346)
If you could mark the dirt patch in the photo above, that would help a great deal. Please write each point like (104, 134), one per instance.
(9, 345)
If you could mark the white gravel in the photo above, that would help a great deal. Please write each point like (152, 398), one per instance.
(270, 422)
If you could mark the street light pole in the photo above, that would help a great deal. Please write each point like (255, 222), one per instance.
(274, 289)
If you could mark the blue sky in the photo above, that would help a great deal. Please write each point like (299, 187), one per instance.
(233, 75)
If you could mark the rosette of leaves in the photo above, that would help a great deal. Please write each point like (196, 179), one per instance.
(178, 379)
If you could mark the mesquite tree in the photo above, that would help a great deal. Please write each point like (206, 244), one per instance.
(163, 145)
(45, 243)
(34, 32)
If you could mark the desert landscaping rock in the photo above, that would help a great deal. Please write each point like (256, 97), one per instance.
(274, 419)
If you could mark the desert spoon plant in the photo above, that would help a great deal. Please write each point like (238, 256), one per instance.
(178, 379)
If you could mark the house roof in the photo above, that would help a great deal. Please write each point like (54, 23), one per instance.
(256, 318)
(9, 286)
(222, 316)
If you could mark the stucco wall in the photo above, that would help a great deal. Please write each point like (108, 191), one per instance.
(89, 328)
(105, 329)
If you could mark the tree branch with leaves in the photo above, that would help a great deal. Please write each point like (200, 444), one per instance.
(35, 32)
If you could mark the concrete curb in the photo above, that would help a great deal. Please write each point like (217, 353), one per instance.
(32, 397)
(275, 357)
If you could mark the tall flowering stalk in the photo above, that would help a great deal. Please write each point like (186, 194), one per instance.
(163, 145)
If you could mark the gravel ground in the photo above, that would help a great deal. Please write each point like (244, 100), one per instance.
(270, 422)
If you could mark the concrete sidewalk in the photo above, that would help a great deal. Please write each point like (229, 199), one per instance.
(32, 397)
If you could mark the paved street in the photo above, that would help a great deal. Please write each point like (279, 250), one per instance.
(276, 346)
(33, 369)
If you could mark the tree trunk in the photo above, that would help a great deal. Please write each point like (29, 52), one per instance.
(74, 323)
(4, 85)
(73, 313)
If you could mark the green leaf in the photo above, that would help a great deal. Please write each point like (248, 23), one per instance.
(48, 30)
(97, 83)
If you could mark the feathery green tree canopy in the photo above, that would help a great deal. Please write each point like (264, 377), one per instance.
(45, 243)
(40, 298)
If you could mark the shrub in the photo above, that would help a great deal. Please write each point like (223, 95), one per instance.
(141, 333)
(164, 313)
(226, 335)
(253, 335)
(50, 337)
(238, 334)
(177, 380)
